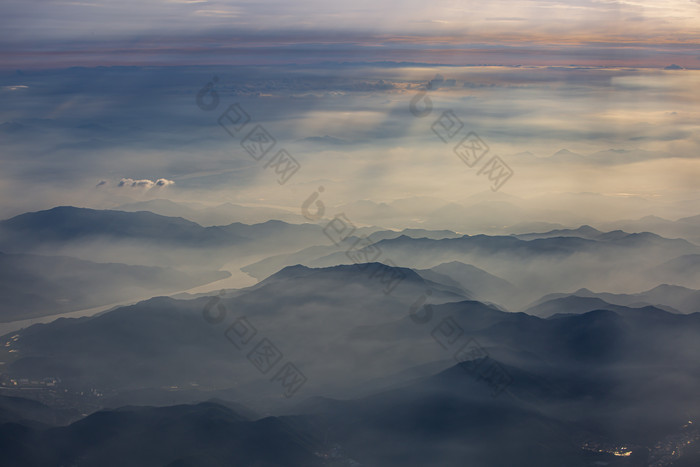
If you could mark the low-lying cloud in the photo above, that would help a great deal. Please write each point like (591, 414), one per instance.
(145, 183)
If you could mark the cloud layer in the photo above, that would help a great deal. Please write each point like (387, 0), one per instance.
(628, 136)
(146, 184)
(98, 32)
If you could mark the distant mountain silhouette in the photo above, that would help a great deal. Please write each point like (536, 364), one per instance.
(206, 434)
(340, 328)
(169, 337)
(687, 228)
(146, 238)
(683, 270)
(585, 231)
(573, 304)
(221, 214)
(483, 285)
(339, 313)
(33, 285)
(671, 298)
(67, 223)
(33, 413)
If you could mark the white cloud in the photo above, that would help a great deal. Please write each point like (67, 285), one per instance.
(145, 183)
(17, 87)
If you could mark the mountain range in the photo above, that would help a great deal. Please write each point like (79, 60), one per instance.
(418, 357)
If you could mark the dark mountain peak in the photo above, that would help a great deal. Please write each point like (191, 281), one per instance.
(565, 152)
(567, 304)
(458, 264)
(588, 229)
(299, 270)
(48, 217)
(584, 231)
(645, 235)
(668, 288)
(469, 307)
(653, 311)
(374, 275)
(434, 234)
(274, 222)
(600, 315)
(468, 273)
(271, 223)
(690, 220)
(205, 431)
(71, 224)
(646, 238)
(614, 235)
(289, 272)
(404, 238)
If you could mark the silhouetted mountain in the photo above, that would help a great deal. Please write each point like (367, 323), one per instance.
(549, 247)
(161, 342)
(33, 286)
(162, 207)
(671, 298)
(683, 228)
(149, 239)
(221, 214)
(573, 304)
(413, 233)
(533, 226)
(683, 270)
(205, 434)
(340, 328)
(485, 286)
(270, 265)
(430, 252)
(69, 224)
(692, 220)
(33, 413)
(585, 231)
(307, 256)
(538, 266)
(626, 375)
(447, 419)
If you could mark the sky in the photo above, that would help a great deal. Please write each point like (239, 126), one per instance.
(39, 33)
(591, 105)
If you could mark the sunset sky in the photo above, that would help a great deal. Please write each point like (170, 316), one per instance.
(641, 33)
